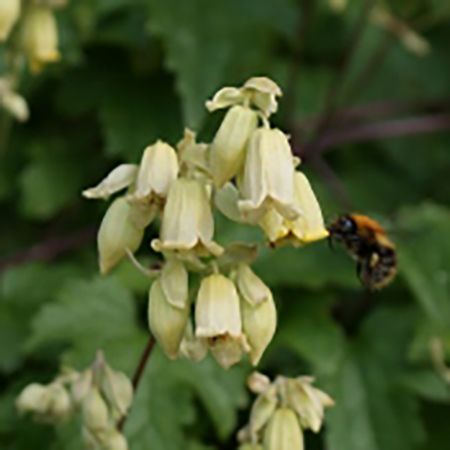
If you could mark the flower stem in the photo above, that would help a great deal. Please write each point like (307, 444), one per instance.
(138, 374)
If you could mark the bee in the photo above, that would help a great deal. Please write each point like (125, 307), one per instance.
(367, 243)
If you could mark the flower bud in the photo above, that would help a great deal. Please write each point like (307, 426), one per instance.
(283, 431)
(268, 178)
(13, 103)
(174, 283)
(227, 151)
(259, 323)
(250, 286)
(187, 222)
(258, 382)
(119, 178)
(117, 233)
(308, 402)
(118, 391)
(33, 398)
(9, 13)
(82, 386)
(114, 440)
(40, 37)
(226, 200)
(167, 322)
(263, 409)
(95, 411)
(157, 171)
(60, 406)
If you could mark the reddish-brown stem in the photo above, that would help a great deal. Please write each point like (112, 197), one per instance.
(137, 376)
(377, 131)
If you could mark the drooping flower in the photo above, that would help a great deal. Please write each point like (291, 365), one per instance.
(283, 431)
(9, 13)
(158, 169)
(167, 320)
(268, 178)
(308, 227)
(187, 222)
(227, 150)
(118, 233)
(218, 319)
(40, 36)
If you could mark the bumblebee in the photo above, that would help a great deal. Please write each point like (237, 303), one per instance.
(367, 243)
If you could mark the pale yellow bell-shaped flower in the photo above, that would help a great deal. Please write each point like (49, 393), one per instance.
(308, 402)
(119, 178)
(9, 14)
(218, 319)
(227, 150)
(187, 222)
(309, 227)
(117, 234)
(263, 93)
(268, 179)
(158, 169)
(217, 309)
(167, 322)
(283, 431)
(40, 36)
(262, 410)
(259, 93)
(174, 282)
(259, 322)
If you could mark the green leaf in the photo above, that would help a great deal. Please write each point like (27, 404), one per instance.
(90, 315)
(203, 39)
(373, 411)
(307, 328)
(424, 259)
(305, 267)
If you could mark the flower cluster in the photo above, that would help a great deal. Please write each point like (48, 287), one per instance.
(249, 173)
(102, 394)
(281, 412)
(30, 28)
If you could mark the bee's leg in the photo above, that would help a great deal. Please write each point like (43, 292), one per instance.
(365, 273)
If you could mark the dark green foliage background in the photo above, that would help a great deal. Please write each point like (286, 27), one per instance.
(136, 70)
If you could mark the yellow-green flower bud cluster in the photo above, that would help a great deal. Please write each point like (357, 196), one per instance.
(234, 314)
(254, 170)
(102, 395)
(282, 411)
(206, 297)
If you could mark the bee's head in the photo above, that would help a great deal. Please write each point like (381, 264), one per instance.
(342, 227)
